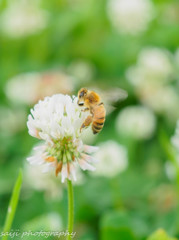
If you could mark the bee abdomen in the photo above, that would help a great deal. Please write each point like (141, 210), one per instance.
(97, 126)
(98, 118)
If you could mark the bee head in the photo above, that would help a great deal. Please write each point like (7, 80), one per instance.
(81, 96)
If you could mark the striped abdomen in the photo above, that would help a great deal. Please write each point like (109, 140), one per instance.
(99, 114)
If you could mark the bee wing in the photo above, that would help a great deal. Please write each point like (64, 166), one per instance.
(112, 96)
(109, 108)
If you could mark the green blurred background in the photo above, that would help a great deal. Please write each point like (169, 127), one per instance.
(58, 46)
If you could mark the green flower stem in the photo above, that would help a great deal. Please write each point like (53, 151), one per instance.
(70, 209)
(12, 205)
(170, 153)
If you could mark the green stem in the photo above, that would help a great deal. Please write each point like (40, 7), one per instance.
(70, 209)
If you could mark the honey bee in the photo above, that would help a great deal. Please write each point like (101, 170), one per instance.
(92, 103)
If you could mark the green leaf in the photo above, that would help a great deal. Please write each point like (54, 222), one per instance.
(160, 235)
(116, 225)
(123, 233)
(12, 205)
(134, 222)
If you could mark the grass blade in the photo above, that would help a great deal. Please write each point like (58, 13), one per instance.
(12, 205)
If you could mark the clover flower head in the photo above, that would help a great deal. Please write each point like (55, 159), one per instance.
(153, 68)
(57, 120)
(112, 158)
(137, 122)
(130, 16)
(23, 18)
(151, 77)
(28, 88)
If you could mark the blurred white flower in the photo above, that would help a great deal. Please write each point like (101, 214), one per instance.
(47, 222)
(23, 18)
(151, 77)
(83, 71)
(112, 159)
(47, 183)
(12, 120)
(137, 122)
(57, 121)
(157, 61)
(153, 66)
(130, 16)
(161, 99)
(28, 88)
(55, 221)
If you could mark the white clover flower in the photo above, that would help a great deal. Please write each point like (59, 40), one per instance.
(157, 61)
(130, 16)
(137, 122)
(28, 88)
(23, 18)
(151, 77)
(154, 66)
(112, 159)
(161, 99)
(57, 121)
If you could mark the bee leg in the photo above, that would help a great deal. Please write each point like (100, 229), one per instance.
(87, 122)
(84, 110)
(100, 104)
